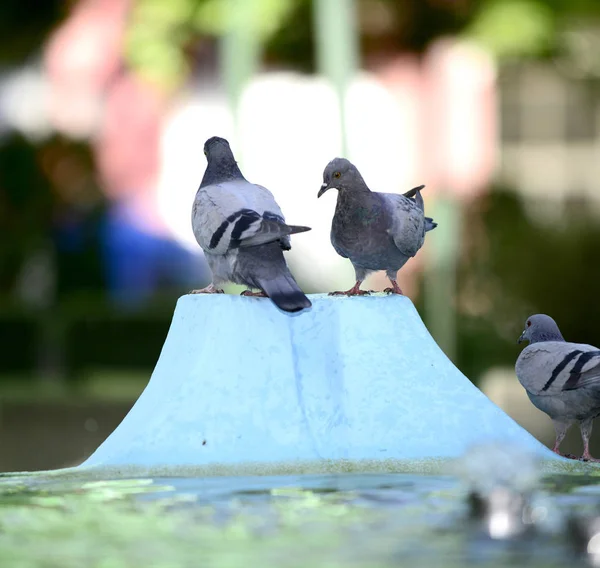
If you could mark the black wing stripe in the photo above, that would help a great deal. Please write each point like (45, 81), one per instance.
(218, 234)
(243, 219)
(246, 219)
(576, 370)
(560, 367)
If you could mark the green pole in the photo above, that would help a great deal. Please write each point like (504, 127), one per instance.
(240, 54)
(337, 47)
(441, 272)
(239, 60)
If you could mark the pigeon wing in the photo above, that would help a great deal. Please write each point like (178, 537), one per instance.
(407, 226)
(551, 367)
(238, 214)
(588, 378)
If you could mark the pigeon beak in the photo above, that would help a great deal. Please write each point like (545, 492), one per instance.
(323, 189)
(521, 338)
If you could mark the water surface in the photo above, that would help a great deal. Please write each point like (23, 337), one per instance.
(358, 520)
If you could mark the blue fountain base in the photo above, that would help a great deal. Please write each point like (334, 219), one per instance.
(353, 379)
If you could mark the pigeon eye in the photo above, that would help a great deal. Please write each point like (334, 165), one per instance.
(336, 174)
(528, 324)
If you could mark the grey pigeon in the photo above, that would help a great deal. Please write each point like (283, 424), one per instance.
(562, 379)
(376, 231)
(243, 232)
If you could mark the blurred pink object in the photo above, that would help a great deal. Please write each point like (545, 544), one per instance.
(81, 57)
(454, 92)
(459, 118)
(94, 96)
(127, 148)
(127, 142)
(85, 50)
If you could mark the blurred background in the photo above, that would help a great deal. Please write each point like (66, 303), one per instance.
(104, 109)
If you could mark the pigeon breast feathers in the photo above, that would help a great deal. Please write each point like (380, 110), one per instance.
(238, 214)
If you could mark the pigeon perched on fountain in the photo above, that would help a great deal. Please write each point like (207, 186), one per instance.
(376, 231)
(243, 233)
(562, 379)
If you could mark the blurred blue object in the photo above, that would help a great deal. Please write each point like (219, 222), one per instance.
(239, 382)
(139, 263)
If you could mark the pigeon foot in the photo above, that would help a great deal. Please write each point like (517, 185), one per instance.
(350, 293)
(259, 294)
(354, 291)
(210, 289)
(568, 456)
(395, 289)
(587, 457)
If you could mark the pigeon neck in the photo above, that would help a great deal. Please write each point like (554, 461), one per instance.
(222, 170)
(357, 190)
(541, 336)
(358, 183)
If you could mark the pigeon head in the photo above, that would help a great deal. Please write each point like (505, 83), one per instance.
(221, 166)
(217, 148)
(540, 327)
(343, 176)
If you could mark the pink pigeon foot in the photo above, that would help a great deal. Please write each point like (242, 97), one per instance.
(587, 457)
(210, 289)
(568, 456)
(354, 291)
(259, 294)
(395, 289)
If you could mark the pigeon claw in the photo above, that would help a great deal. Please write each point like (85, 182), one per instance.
(395, 289)
(259, 294)
(210, 289)
(568, 456)
(354, 291)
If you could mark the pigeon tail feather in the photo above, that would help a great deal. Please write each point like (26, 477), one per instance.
(430, 224)
(419, 201)
(285, 293)
(298, 229)
(412, 192)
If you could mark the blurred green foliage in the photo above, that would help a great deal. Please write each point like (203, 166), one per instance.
(161, 32)
(162, 37)
(514, 27)
(526, 28)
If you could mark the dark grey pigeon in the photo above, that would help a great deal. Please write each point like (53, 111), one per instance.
(376, 231)
(243, 232)
(562, 379)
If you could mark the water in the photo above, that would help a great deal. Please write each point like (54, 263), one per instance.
(346, 520)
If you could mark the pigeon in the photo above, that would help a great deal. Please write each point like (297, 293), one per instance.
(562, 379)
(376, 231)
(243, 233)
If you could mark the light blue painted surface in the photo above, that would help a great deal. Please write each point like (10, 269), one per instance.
(353, 378)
